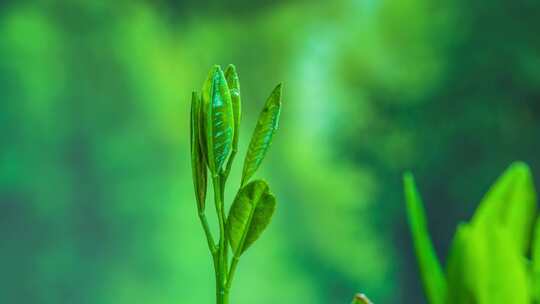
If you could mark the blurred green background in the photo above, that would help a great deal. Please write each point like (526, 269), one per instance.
(96, 202)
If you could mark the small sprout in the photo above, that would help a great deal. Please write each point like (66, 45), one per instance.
(361, 298)
(215, 126)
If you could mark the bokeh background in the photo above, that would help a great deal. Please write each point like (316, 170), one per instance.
(96, 202)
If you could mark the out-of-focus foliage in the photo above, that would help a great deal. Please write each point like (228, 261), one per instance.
(488, 260)
(96, 202)
(432, 273)
(360, 299)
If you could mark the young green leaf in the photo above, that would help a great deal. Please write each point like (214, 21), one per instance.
(262, 136)
(511, 203)
(361, 299)
(483, 268)
(432, 274)
(234, 86)
(197, 156)
(501, 228)
(249, 215)
(218, 119)
(465, 267)
(507, 279)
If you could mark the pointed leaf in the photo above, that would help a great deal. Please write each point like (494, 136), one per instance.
(197, 156)
(234, 87)
(262, 136)
(249, 215)
(218, 119)
(511, 203)
(432, 274)
(501, 228)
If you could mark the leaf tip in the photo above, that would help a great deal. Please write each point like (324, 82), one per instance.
(231, 68)
(520, 168)
(215, 69)
(279, 88)
(408, 178)
(275, 97)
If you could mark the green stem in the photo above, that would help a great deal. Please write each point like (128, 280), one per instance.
(224, 176)
(208, 233)
(222, 263)
(232, 271)
(210, 240)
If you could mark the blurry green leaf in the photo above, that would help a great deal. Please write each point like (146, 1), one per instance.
(484, 268)
(536, 262)
(234, 86)
(464, 267)
(510, 203)
(501, 226)
(432, 274)
(249, 215)
(197, 156)
(218, 119)
(487, 261)
(361, 299)
(505, 279)
(262, 136)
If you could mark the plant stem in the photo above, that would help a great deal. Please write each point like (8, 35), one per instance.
(232, 271)
(225, 235)
(210, 240)
(222, 263)
(224, 177)
(208, 233)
